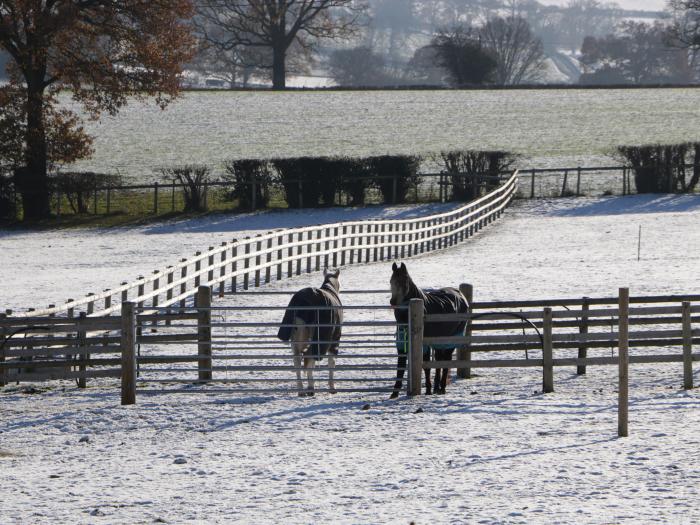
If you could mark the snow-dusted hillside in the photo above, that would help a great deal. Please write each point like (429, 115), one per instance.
(493, 450)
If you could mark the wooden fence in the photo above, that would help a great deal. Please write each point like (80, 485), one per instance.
(630, 325)
(282, 253)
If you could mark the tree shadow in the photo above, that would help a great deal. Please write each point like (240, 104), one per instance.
(630, 204)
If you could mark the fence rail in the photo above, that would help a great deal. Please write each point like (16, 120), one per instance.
(255, 260)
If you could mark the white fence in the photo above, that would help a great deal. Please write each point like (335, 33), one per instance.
(252, 261)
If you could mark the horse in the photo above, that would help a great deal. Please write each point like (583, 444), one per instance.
(442, 301)
(314, 333)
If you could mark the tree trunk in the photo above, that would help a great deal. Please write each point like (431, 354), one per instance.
(279, 74)
(32, 179)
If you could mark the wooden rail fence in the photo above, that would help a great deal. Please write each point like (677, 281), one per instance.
(251, 262)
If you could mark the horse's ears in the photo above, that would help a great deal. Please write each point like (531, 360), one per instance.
(403, 268)
(336, 274)
(394, 267)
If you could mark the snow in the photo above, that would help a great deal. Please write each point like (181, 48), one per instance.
(52, 266)
(493, 450)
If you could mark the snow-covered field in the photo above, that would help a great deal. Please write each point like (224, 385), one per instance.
(493, 450)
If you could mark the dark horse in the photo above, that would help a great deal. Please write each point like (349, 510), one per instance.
(314, 332)
(442, 301)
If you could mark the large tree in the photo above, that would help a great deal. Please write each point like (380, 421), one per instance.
(461, 54)
(518, 53)
(636, 54)
(277, 25)
(104, 51)
(686, 27)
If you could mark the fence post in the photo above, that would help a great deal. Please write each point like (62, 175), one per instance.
(222, 270)
(268, 259)
(203, 305)
(623, 363)
(82, 382)
(280, 242)
(687, 348)
(583, 329)
(532, 185)
(128, 347)
(3, 372)
(578, 181)
(547, 365)
(234, 265)
(246, 263)
(300, 251)
(258, 248)
(155, 198)
(415, 358)
(463, 352)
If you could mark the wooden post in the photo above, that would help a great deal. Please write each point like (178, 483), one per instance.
(268, 259)
(309, 249)
(280, 254)
(415, 348)
(3, 372)
(352, 244)
(246, 263)
(547, 359)
(197, 267)
(335, 247)
(578, 181)
(300, 251)
(222, 270)
(183, 285)
(687, 348)
(203, 305)
(234, 265)
(82, 381)
(583, 329)
(532, 185)
(344, 232)
(623, 363)
(155, 199)
(128, 347)
(318, 247)
(563, 186)
(210, 264)
(463, 352)
(258, 248)
(290, 253)
(326, 246)
(169, 293)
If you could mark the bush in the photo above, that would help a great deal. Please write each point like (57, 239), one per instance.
(354, 177)
(193, 177)
(660, 168)
(241, 173)
(8, 205)
(307, 181)
(395, 175)
(79, 187)
(471, 171)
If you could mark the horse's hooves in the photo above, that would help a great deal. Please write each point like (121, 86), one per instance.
(440, 393)
(394, 395)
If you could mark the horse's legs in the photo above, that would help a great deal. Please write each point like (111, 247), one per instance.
(332, 352)
(438, 377)
(309, 364)
(445, 355)
(400, 369)
(299, 344)
(428, 386)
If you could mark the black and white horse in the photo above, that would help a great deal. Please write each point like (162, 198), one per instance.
(314, 332)
(442, 301)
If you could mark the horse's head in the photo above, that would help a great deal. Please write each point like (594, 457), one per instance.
(331, 278)
(400, 284)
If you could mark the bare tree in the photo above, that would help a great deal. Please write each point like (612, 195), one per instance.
(277, 25)
(519, 54)
(686, 27)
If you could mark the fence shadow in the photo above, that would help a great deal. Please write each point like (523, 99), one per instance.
(295, 218)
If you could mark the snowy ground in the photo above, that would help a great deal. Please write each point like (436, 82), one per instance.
(493, 450)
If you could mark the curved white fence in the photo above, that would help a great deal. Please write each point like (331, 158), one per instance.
(286, 252)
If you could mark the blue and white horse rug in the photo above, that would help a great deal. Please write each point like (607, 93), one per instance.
(312, 324)
(442, 301)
